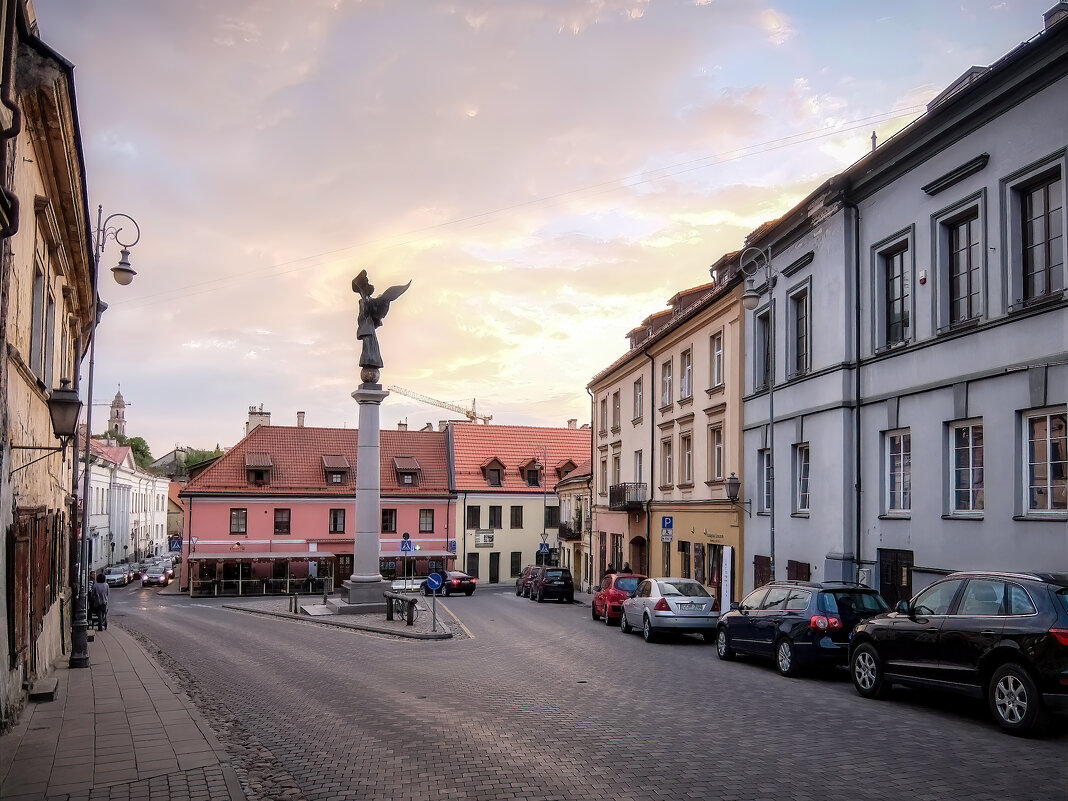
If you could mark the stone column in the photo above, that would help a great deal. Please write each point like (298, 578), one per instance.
(366, 584)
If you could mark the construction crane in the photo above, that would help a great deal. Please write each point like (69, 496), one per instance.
(471, 414)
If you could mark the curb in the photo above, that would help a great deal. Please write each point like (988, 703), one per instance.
(444, 635)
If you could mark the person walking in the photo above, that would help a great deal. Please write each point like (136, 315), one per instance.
(98, 595)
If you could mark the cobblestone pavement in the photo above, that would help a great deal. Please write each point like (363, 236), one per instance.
(540, 702)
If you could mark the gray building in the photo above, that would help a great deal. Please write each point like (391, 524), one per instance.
(916, 323)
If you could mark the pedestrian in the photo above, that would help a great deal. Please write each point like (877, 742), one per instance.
(626, 568)
(99, 598)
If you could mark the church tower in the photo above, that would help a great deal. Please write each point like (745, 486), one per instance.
(117, 421)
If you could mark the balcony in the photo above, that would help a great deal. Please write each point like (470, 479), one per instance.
(569, 533)
(627, 497)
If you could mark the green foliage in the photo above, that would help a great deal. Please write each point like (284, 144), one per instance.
(142, 454)
(196, 456)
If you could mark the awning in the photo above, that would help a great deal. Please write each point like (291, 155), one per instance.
(421, 553)
(262, 555)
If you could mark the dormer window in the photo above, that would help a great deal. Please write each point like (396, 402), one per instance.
(530, 470)
(494, 476)
(564, 468)
(336, 468)
(407, 469)
(258, 469)
(493, 472)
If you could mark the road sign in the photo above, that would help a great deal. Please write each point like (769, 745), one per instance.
(174, 547)
(452, 546)
(407, 546)
(666, 535)
(667, 521)
(433, 581)
(543, 548)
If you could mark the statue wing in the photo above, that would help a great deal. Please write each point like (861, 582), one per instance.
(393, 292)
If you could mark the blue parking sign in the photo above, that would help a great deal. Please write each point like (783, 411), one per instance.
(667, 521)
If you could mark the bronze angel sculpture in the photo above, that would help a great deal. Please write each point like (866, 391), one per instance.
(372, 312)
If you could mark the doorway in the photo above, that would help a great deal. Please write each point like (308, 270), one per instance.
(472, 565)
(344, 568)
(895, 575)
(639, 556)
(495, 567)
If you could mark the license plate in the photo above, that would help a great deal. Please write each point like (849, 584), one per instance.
(689, 607)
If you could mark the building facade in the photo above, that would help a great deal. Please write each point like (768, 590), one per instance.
(575, 496)
(914, 345)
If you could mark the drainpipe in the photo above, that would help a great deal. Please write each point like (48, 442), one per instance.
(7, 98)
(589, 486)
(464, 530)
(857, 520)
(652, 457)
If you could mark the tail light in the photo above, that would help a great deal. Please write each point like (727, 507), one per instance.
(1060, 635)
(662, 606)
(456, 582)
(825, 622)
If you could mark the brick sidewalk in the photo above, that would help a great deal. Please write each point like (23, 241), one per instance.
(117, 730)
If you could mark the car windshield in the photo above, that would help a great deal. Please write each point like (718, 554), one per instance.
(627, 584)
(115, 571)
(691, 589)
(838, 601)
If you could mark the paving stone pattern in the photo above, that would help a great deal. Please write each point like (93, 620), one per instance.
(542, 703)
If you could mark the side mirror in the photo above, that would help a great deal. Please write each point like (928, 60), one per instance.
(734, 606)
(902, 607)
(632, 593)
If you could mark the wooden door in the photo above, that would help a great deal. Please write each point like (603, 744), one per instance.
(895, 575)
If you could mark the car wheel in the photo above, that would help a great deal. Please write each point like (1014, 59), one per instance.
(468, 593)
(426, 590)
(647, 630)
(1014, 699)
(723, 645)
(624, 626)
(518, 589)
(593, 610)
(607, 619)
(541, 596)
(445, 592)
(785, 658)
(866, 667)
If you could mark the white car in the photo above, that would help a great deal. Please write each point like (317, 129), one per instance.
(665, 605)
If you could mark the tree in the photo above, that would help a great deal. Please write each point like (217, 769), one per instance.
(196, 456)
(142, 454)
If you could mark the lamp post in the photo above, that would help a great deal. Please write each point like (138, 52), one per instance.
(124, 273)
(760, 262)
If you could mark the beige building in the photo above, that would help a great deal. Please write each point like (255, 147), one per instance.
(667, 434)
(576, 524)
(44, 322)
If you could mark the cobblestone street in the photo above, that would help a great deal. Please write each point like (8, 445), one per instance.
(543, 703)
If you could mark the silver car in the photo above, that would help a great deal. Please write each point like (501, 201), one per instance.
(670, 605)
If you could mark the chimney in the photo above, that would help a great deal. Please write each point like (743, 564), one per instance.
(402, 425)
(300, 419)
(442, 425)
(256, 418)
(427, 427)
(572, 422)
(1055, 15)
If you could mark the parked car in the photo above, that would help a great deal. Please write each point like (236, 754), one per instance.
(452, 582)
(615, 589)
(117, 576)
(1002, 636)
(670, 605)
(797, 623)
(155, 575)
(522, 584)
(552, 582)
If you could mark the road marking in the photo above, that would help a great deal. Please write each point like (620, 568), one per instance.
(459, 622)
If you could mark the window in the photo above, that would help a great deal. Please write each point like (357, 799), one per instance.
(638, 399)
(800, 332)
(715, 452)
(496, 517)
(281, 521)
(766, 479)
(801, 500)
(665, 384)
(798, 600)
(493, 474)
(533, 477)
(686, 452)
(716, 368)
(896, 280)
(762, 366)
(1046, 462)
(937, 599)
(638, 470)
(1020, 602)
(615, 410)
(516, 563)
(898, 471)
(517, 517)
(239, 521)
(686, 374)
(426, 520)
(798, 571)
(37, 323)
(389, 521)
(337, 478)
(337, 521)
(983, 598)
(666, 466)
(604, 475)
(964, 262)
(1042, 218)
(406, 478)
(775, 600)
(684, 558)
(604, 416)
(552, 516)
(474, 516)
(616, 471)
(966, 489)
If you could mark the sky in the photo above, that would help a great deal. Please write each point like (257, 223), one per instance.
(547, 173)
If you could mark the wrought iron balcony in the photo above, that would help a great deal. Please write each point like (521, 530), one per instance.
(569, 532)
(627, 496)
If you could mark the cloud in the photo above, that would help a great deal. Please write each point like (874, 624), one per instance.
(778, 28)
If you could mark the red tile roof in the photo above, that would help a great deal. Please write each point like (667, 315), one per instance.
(474, 446)
(172, 494)
(116, 454)
(297, 452)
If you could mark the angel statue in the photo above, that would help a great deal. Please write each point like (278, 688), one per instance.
(372, 312)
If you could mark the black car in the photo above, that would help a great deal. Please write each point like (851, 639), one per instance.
(1002, 636)
(797, 623)
(552, 582)
(522, 584)
(452, 582)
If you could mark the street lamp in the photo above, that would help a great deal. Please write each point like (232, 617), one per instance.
(79, 638)
(760, 263)
(734, 484)
(64, 407)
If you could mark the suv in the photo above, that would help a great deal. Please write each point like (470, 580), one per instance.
(522, 584)
(797, 623)
(999, 635)
(552, 582)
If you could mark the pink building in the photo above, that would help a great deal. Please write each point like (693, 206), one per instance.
(277, 512)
